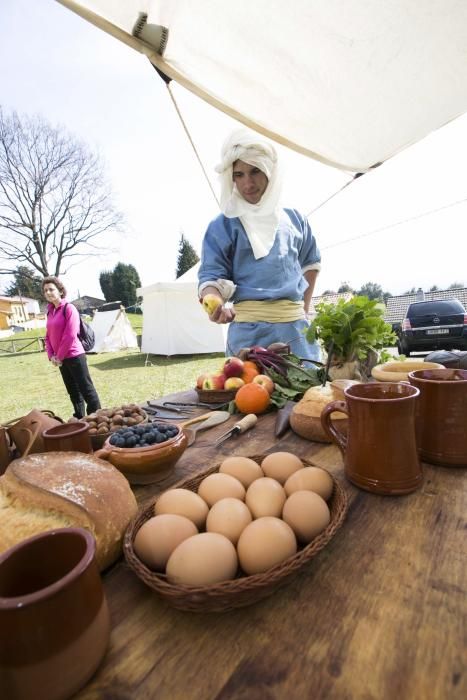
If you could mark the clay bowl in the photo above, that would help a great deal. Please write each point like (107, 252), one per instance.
(398, 371)
(145, 465)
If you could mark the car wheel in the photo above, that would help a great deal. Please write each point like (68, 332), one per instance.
(405, 350)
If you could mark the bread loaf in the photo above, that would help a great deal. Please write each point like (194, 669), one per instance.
(65, 489)
(305, 419)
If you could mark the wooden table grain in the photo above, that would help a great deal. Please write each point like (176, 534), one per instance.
(379, 613)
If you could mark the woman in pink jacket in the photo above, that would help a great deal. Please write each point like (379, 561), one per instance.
(64, 348)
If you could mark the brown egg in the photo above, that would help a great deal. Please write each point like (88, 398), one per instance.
(159, 536)
(280, 465)
(203, 559)
(228, 517)
(307, 514)
(217, 486)
(310, 479)
(244, 469)
(183, 502)
(264, 543)
(265, 496)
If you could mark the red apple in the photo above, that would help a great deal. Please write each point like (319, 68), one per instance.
(200, 380)
(214, 381)
(233, 367)
(265, 381)
(233, 383)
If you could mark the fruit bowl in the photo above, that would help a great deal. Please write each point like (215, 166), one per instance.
(216, 395)
(102, 425)
(145, 465)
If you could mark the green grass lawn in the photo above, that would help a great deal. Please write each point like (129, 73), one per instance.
(28, 380)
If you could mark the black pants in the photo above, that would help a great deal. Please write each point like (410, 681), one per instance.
(78, 383)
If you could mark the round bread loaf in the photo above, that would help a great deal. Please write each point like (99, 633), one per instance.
(305, 419)
(51, 490)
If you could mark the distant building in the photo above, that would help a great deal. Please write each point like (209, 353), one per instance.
(329, 299)
(17, 310)
(87, 305)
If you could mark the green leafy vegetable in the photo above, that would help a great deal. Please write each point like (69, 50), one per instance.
(355, 328)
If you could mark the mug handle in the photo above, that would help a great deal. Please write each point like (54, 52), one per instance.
(329, 426)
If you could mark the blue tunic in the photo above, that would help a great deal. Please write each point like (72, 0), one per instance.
(227, 254)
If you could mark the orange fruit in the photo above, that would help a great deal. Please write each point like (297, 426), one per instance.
(252, 398)
(250, 370)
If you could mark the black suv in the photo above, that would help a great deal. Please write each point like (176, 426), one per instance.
(440, 324)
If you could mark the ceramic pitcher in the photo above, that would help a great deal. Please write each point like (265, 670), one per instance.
(379, 450)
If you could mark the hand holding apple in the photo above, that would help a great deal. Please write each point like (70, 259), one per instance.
(211, 302)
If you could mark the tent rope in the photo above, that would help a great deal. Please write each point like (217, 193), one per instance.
(177, 109)
(349, 182)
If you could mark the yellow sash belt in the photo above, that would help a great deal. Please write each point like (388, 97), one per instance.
(276, 311)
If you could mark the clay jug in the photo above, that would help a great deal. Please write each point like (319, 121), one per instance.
(380, 451)
(441, 415)
(53, 615)
(6, 449)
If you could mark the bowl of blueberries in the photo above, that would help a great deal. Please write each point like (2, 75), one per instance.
(145, 453)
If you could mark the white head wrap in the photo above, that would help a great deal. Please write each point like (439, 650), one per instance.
(259, 220)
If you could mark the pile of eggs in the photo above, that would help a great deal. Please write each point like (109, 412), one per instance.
(247, 515)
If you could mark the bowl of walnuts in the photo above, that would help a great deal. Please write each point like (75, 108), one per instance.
(106, 421)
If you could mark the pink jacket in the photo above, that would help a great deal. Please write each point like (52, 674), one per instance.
(61, 338)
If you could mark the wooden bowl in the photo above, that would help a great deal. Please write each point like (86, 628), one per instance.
(398, 371)
(145, 465)
(243, 590)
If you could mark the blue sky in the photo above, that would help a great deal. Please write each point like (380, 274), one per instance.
(55, 64)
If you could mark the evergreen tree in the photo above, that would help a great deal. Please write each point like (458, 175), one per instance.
(25, 283)
(187, 256)
(106, 283)
(345, 287)
(125, 281)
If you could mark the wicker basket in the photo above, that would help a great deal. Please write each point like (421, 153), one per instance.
(216, 396)
(243, 590)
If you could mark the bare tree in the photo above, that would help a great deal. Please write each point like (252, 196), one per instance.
(54, 200)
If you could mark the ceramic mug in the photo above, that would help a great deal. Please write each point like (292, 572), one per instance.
(379, 450)
(68, 436)
(441, 415)
(54, 619)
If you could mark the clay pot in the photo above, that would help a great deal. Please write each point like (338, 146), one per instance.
(68, 436)
(53, 616)
(145, 465)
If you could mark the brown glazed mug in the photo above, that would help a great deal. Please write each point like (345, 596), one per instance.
(54, 619)
(441, 415)
(68, 436)
(380, 451)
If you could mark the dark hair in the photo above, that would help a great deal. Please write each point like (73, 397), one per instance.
(54, 280)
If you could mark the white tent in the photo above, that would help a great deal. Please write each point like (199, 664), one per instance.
(348, 83)
(113, 331)
(174, 322)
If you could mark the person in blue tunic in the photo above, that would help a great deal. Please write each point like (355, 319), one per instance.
(259, 259)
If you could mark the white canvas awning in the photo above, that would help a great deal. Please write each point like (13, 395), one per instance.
(348, 83)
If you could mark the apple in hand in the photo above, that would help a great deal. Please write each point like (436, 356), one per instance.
(211, 302)
(233, 383)
(233, 367)
(214, 381)
(265, 381)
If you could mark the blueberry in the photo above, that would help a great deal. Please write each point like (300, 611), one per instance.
(121, 442)
(160, 437)
(131, 441)
(150, 438)
(114, 439)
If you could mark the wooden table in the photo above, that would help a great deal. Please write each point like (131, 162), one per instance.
(379, 613)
